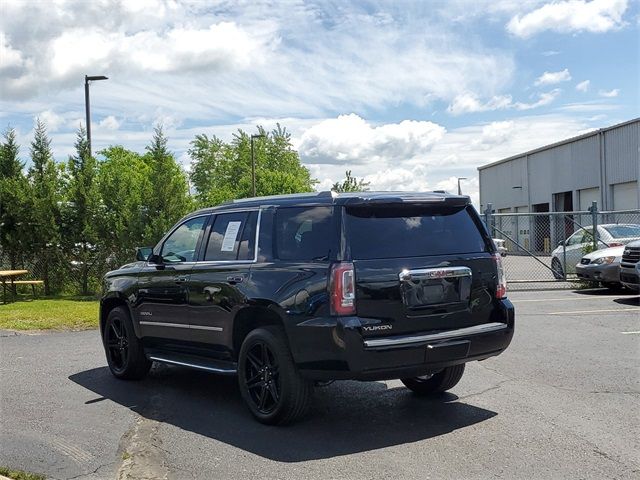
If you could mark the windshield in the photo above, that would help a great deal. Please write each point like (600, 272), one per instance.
(623, 231)
(412, 231)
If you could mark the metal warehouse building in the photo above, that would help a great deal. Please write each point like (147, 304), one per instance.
(600, 166)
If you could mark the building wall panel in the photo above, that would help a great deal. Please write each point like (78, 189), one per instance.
(621, 153)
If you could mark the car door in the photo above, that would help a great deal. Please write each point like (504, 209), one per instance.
(574, 249)
(220, 283)
(162, 304)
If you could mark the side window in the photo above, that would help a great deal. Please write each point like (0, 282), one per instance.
(180, 246)
(232, 237)
(305, 233)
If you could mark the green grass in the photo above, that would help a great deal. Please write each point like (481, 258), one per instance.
(50, 314)
(20, 475)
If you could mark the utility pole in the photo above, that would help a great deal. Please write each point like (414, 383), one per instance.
(87, 107)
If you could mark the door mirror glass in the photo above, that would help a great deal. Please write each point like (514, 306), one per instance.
(143, 253)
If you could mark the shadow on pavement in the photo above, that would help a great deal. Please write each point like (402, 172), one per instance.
(635, 300)
(596, 292)
(346, 417)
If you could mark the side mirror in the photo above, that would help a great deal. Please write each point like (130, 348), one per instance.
(561, 243)
(143, 253)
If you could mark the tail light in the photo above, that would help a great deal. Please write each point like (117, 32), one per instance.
(501, 288)
(342, 289)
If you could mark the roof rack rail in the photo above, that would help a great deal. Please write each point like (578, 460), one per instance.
(323, 194)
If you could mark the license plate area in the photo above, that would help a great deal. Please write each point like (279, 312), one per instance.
(435, 286)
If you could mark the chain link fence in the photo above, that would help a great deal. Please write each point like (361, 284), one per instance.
(63, 274)
(543, 248)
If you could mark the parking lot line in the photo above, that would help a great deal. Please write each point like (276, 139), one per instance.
(630, 333)
(571, 299)
(597, 311)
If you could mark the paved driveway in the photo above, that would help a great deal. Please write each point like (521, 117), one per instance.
(562, 402)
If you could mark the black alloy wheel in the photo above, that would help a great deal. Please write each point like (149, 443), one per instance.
(269, 381)
(262, 378)
(117, 344)
(124, 350)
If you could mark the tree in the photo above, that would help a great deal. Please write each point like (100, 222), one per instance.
(15, 208)
(46, 198)
(221, 171)
(168, 197)
(350, 184)
(81, 212)
(122, 185)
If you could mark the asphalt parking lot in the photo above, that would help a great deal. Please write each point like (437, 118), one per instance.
(562, 402)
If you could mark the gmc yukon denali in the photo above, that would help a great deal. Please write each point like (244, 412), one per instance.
(289, 291)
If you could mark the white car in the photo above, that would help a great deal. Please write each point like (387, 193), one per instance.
(574, 247)
(602, 266)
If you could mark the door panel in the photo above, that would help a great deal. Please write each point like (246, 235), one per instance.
(219, 283)
(162, 305)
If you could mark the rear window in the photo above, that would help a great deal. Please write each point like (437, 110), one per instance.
(391, 232)
(305, 234)
(623, 231)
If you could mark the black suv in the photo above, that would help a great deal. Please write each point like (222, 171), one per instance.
(293, 290)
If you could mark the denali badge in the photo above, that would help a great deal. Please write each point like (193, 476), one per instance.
(377, 327)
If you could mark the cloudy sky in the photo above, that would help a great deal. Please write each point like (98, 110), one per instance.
(408, 95)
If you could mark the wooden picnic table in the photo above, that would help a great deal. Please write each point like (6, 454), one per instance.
(9, 275)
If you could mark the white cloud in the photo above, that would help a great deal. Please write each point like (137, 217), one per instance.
(110, 123)
(609, 93)
(469, 103)
(550, 78)
(583, 86)
(550, 53)
(493, 134)
(349, 139)
(457, 154)
(543, 99)
(594, 16)
(9, 57)
(51, 119)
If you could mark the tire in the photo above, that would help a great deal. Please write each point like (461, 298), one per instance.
(616, 287)
(270, 383)
(124, 351)
(558, 274)
(438, 383)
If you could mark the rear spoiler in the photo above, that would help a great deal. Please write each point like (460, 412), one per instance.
(415, 199)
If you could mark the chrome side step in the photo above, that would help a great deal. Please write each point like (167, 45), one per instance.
(207, 364)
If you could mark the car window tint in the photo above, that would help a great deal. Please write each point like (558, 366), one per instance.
(228, 239)
(412, 231)
(180, 246)
(305, 234)
(623, 231)
(246, 249)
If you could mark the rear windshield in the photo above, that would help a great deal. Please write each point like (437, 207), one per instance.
(391, 232)
(623, 231)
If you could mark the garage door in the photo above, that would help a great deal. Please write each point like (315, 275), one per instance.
(625, 196)
(588, 195)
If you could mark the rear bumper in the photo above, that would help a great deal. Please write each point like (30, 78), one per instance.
(337, 350)
(599, 273)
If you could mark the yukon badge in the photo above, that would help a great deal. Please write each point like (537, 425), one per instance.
(375, 328)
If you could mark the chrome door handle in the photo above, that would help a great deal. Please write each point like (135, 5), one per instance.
(233, 279)
(180, 279)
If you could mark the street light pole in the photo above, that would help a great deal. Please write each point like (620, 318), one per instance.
(253, 164)
(87, 107)
(459, 189)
